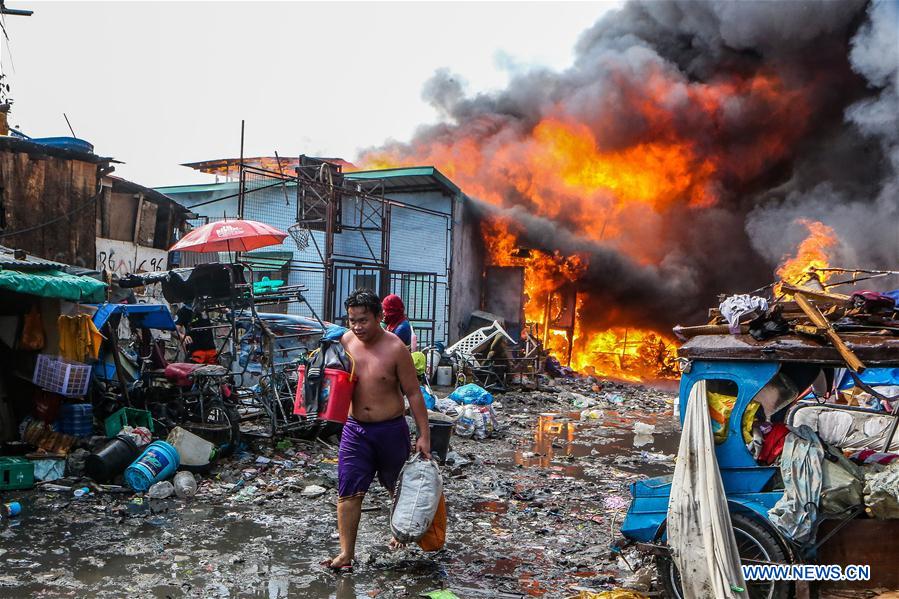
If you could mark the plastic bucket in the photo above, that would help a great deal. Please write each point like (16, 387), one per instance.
(158, 462)
(440, 437)
(335, 397)
(444, 377)
(111, 459)
(192, 449)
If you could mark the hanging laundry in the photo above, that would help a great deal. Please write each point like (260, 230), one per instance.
(79, 339)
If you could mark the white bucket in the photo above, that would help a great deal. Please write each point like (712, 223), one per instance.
(444, 376)
(193, 450)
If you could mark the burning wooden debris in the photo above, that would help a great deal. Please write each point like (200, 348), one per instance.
(808, 322)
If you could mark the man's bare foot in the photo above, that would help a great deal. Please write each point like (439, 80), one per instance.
(393, 544)
(341, 563)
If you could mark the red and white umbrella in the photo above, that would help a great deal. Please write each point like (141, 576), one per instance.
(229, 236)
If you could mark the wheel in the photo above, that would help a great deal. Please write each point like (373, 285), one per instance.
(754, 542)
(224, 420)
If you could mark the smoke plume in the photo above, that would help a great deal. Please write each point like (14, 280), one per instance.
(679, 151)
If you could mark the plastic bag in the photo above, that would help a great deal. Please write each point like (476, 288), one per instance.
(418, 492)
(476, 421)
(472, 394)
(720, 407)
(33, 338)
(430, 398)
(447, 406)
(435, 538)
(466, 422)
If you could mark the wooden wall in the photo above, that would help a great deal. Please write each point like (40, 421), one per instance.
(37, 188)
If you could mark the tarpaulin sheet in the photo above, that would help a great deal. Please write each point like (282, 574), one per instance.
(143, 316)
(700, 532)
(795, 512)
(53, 283)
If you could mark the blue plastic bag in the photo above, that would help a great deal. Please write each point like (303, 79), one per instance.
(472, 394)
(430, 398)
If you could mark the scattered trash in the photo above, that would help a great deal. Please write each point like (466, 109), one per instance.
(82, 492)
(161, 490)
(616, 594)
(314, 491)
(185, 484)
(615, 502)
(642, 428)
(11, 509)
(441, 594)
(49, 469)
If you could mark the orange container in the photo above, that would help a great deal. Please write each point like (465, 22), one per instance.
(335, 396)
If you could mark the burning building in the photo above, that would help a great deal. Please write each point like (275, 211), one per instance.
(690, 149)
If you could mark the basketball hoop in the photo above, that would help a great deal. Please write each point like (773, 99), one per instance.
(300, 235)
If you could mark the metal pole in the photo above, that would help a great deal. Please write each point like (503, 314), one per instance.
(240, 194)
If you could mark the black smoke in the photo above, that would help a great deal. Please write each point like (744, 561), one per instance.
(829, 154)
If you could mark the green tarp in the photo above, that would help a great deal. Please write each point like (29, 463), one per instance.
(53, 283)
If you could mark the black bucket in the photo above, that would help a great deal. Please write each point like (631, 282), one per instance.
(440, 436)
(111, 459)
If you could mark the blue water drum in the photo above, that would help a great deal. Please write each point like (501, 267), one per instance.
(158, 462)
(76, 419)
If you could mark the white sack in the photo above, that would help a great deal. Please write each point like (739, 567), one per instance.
(415, 501)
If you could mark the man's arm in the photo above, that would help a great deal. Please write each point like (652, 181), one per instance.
(411, 389)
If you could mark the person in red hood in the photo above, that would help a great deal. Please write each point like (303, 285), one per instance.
(395, 319)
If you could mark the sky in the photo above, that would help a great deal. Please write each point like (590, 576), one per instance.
(158, 84)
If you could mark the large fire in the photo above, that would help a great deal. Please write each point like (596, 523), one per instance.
(618, 193)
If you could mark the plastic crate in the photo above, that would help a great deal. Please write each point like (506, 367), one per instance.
(127, 417)
(16, 473)
(55, 374)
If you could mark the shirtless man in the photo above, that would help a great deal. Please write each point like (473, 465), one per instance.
(375, 438)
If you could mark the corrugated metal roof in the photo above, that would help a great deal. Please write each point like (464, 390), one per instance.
(200, 188)
(9, 260)
(412, 177)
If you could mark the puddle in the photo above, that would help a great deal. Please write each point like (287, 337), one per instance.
(562, 442)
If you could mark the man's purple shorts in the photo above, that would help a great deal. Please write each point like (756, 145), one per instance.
(367, 448)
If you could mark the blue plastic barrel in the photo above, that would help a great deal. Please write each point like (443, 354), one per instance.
(76, 419)
(158, 462)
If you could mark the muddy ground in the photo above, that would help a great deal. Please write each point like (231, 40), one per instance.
(532, 511)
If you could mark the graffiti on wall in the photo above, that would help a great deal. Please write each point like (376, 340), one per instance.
(123, 257)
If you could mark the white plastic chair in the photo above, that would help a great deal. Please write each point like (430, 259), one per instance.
(471, 343)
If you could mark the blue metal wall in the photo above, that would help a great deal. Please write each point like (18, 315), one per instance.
(419, 240)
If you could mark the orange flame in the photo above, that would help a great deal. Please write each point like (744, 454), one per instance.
(814, 252)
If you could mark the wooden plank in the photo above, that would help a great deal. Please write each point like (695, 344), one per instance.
(823, 296)
(822, 323)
